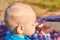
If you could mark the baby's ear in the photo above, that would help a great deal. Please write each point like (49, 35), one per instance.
(20, 29)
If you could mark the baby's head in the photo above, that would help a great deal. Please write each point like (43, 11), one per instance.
(20, 18)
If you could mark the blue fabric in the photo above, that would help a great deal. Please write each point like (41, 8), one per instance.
(14, 37)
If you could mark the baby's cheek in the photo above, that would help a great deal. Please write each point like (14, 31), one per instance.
(33, 29)
(29, 30)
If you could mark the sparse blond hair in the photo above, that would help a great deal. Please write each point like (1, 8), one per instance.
(18, 13)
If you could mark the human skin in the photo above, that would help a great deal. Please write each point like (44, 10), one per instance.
(20, 19)
(50, 27)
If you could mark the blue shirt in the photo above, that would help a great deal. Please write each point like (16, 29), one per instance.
(14, 37)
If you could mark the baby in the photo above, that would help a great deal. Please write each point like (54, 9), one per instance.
(20, 19)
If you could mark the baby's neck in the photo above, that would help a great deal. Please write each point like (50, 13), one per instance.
(20, 35)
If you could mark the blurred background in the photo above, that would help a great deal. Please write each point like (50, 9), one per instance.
(41, 7)
(46, 10)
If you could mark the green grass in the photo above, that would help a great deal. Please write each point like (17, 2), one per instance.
(45, 3)
(48, 3)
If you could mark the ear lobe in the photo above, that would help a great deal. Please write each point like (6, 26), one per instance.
(20, 29)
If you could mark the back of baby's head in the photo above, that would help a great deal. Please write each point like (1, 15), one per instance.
(18, 14)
